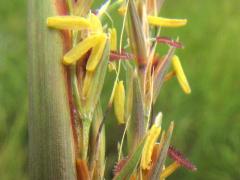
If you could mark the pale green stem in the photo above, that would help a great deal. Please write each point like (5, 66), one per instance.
(85, 123)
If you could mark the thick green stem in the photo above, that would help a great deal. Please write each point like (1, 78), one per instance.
(51, 147)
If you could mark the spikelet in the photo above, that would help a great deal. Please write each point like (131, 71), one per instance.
(150, 143)
(181, 75)
(119, 102)
(165, 22)
(96, 53)
(81, 48)
(68, 22)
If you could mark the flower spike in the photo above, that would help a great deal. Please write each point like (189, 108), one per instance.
(180, 75)
(90, 37)
(68, 22)
(165, 22)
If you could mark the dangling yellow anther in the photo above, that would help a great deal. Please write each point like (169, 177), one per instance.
(165, 22)
(96, 24)
(96, 54)
(86, 83)
(180, 75)
(68, 22)
(150, 142)
(119, 102)
(81, 48)
(113, 39)
(169, 170)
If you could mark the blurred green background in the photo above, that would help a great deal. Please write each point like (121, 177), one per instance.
(207, 121)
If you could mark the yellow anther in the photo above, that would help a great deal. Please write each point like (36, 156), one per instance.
(86, 83)
(96, 53)
(165, 22)
(180, 75)
(119, 102)
(68, 22)
(81, 48)
(169, 170)
(149, 145)
(96, 24)
(113, 39)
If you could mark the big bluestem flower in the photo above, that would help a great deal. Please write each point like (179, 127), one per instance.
(94, 47)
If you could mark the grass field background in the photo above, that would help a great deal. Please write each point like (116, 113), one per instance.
(207, 121)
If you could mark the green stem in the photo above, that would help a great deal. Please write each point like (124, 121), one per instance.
(50, 134)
